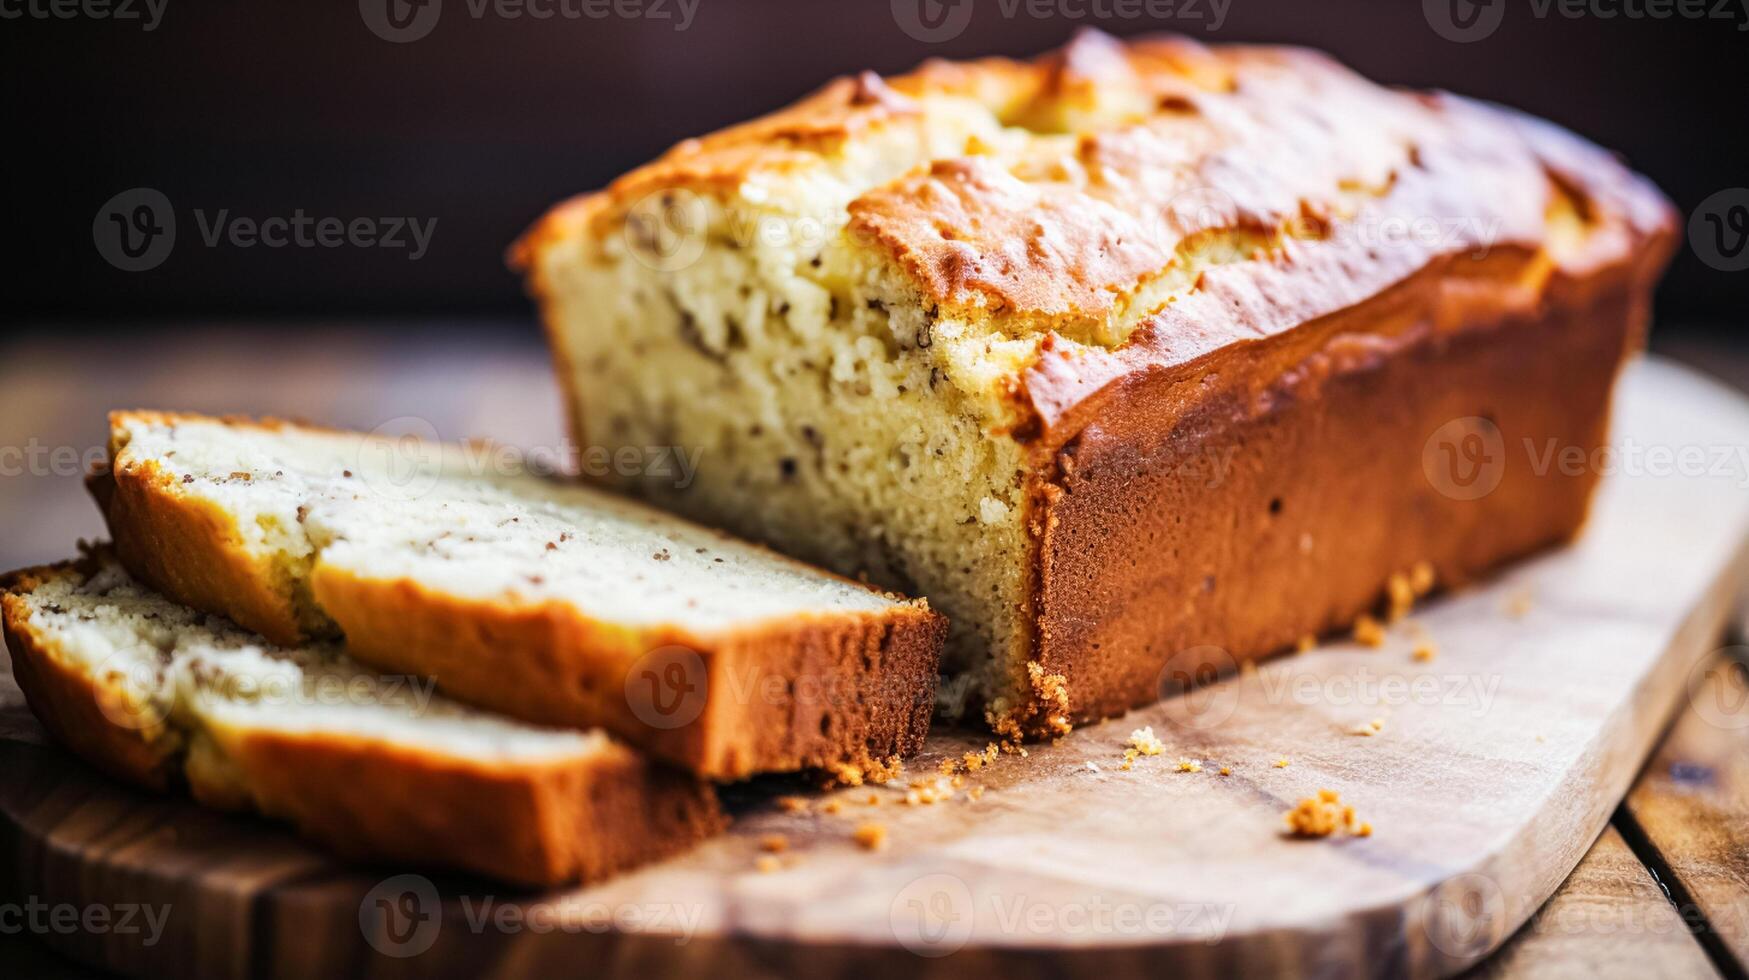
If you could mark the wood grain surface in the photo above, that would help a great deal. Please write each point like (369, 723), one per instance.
(1495, 767)
(1692, 803)
(1608, 920)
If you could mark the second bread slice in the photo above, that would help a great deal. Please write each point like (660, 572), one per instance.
(554, 603)
(374, 766)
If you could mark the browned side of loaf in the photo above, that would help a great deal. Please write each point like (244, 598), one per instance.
(531, 823)
(1217, 511)
(801, 693)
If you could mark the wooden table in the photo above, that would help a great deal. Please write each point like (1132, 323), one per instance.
(1664, 891)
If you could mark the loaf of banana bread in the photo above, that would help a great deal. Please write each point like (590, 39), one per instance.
(1136, 359)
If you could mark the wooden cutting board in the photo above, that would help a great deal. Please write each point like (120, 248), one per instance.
(1496, 765)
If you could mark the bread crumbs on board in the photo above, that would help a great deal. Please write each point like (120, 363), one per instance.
(1141, 742)
(1422, 578)
(1144, 740)
(1281, 763)
(766, 864)
(792, 804)
(1368, 632)
(1323, 815)
(978, 760)
(1400, 597)
(876, 771)
(1189, 765)
(929, 791)
(1424, 649)
(870, 836)
(1369, 728)
(1053, 691)
(1518, 604)
(774, 843)
(1046, 714)
(1403, 588)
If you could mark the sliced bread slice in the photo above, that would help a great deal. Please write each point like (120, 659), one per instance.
(374, 766)
(555, 603)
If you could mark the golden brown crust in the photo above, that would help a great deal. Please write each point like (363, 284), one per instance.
(796, 693)
(531, 823)
(69, 701)
(190, 549)
(1147, 148)
(538, 823)
(1267, 492)
(875, 673)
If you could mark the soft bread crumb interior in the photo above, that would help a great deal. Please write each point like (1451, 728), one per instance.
(204, 681)
(464, 521)
(833, 413)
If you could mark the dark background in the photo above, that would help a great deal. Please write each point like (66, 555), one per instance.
(263, 107)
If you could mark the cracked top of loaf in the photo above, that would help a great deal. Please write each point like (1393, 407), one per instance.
(1158, 190)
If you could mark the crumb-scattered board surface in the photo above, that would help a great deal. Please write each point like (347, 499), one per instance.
(1553, 683)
